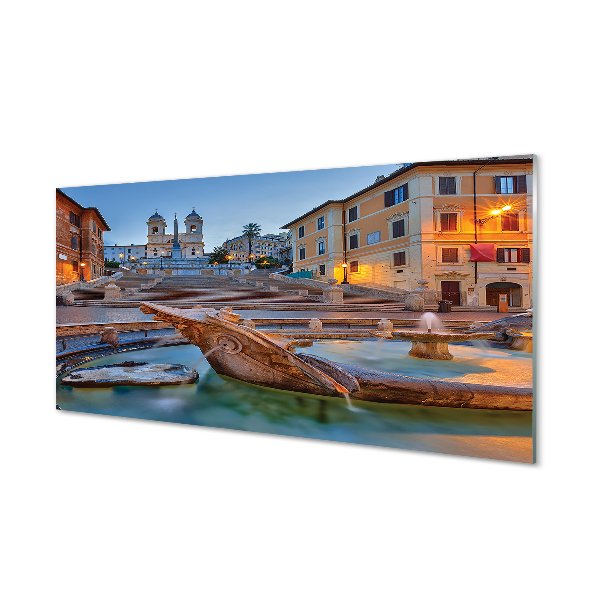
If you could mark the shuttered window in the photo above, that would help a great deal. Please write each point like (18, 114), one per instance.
(450, 255)
(353, 214)
(400, 194)
(353, 266)
(510, 221)
(301, 231)
(449, 222)
(321, 223)
(302, 253)
(398, 229)
(75, 219)
(516, 184)
(353, 241)
(321, 248)
(399, 259)
(513, 255)
(447, 185)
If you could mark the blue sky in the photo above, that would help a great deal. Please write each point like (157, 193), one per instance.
(226, 204)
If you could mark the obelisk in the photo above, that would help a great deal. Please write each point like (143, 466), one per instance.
(176, 251)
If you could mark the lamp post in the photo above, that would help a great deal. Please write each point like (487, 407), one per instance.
(82, 278)
(475, 202)
(345, 272)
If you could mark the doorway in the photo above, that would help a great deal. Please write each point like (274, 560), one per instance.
(512, 290)
(451, 292)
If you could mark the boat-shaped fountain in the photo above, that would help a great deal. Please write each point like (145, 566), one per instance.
(240, 352)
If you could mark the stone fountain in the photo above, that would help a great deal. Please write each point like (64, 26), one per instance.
(431, 342)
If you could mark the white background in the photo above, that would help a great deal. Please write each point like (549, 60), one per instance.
(101, 507)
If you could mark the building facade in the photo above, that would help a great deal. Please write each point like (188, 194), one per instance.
(133, 253)
(79, 241)
(464, 226)
(269, 244)
(160, 243)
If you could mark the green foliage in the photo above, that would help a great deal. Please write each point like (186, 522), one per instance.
(251, 230)
(111, 264)
(218, 255)
(265, 262)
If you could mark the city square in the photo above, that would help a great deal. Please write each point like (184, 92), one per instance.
(399, 315)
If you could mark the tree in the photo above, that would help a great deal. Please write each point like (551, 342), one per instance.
(111, 264)
(250, 231)
(219, 255)
(266, 262)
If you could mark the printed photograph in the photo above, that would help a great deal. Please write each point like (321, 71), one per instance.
(387, 305)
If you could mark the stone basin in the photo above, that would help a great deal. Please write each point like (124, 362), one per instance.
(131, 373)
(433, 345)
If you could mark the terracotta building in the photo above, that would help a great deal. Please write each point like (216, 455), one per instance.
(79, 241)
(465, 226)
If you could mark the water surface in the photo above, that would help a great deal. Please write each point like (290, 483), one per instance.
(216, 402)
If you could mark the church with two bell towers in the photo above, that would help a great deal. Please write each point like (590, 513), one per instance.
(186, 246)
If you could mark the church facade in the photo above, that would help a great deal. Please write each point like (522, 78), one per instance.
(187, 245)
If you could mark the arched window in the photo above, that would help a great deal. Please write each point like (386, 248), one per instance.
(155, 230)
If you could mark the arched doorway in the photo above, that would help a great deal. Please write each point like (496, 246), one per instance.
(512, 290)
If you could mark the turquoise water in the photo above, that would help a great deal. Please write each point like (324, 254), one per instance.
(216, 402)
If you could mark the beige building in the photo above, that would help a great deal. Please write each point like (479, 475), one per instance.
(269, 244)
(465, 226)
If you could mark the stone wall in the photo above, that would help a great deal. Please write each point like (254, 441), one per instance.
(84, 285)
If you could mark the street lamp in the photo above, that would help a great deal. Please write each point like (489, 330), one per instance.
(345, 272)
(82, 276)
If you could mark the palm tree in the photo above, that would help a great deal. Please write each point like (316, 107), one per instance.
(250, 231)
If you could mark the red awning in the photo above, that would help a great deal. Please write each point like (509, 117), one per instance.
(483, 252)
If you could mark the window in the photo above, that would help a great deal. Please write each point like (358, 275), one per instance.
(321, 269)
(302, 253)
(353, 241)
(75, 265)
(449, 222)
(398, 229)
(511, 185)
(74, 242)
(155, 230)
(321, 223)
(400, 258)
(509, 221)
(447, 185)
(193, 251)
(513, 255)
(94, 226)
(94, 247)
(353, 266)
(400, 194)
(449, 255)
(75, 219)
(321, 248)
(353, 214)
(301, 231)
(192, 228)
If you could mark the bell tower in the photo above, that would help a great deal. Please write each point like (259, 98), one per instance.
(156, 225)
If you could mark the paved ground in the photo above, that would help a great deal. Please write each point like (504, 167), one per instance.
(100, 314)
